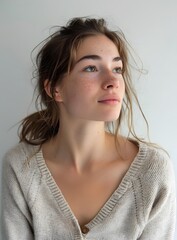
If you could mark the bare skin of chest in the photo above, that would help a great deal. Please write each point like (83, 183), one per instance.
(86, 193)
(87, 189)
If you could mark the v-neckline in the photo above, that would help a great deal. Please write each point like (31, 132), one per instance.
(109, 204)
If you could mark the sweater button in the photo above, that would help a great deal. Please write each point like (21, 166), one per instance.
(84, 229)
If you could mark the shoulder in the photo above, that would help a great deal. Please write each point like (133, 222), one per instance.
(21, 176)
(18, 158)
(157, 159)
(157, 168)
(21, 151)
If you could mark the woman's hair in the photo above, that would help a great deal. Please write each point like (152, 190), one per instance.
(56, 58)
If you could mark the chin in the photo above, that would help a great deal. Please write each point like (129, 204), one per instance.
(109, 118)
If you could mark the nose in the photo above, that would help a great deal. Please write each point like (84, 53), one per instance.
(111, 82)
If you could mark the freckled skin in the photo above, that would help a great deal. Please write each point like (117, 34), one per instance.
(88, 86)
(82, 89)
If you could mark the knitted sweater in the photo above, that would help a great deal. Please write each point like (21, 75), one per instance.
(142, 207)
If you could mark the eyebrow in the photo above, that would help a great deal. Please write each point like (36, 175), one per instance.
(96, 57)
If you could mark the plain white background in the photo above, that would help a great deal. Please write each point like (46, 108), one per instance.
(150, 26)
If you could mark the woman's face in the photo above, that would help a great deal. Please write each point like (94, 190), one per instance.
(94, 89)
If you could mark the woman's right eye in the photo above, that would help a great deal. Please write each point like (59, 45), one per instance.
(90, 69)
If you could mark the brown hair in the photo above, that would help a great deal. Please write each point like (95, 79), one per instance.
(54, 60)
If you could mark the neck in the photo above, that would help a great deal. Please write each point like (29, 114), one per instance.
(80, 145)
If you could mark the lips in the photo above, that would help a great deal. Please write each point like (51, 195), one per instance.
(110, 99)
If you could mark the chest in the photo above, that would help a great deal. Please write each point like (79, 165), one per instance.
(86, 194)
(108, 224)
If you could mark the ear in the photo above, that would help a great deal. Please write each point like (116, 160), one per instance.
(57, 91)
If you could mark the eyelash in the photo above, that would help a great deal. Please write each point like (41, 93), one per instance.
(91, 68)
(119, 70)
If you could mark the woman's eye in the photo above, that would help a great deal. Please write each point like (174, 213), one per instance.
(118, 70)
(90, 69)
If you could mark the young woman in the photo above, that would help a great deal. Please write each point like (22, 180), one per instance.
(73, 176)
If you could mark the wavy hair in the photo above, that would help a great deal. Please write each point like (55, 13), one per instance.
(56, 58)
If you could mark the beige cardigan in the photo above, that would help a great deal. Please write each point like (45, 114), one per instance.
(142, 207)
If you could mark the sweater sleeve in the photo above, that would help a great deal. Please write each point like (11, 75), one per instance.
(159, 201)
(16, 218)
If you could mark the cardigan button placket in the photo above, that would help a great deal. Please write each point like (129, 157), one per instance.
(84, 229)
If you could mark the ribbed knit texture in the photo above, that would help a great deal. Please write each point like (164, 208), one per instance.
(142, 207)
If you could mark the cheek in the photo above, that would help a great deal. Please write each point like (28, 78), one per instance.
(87, 86)
(77, 92)
(84, 86)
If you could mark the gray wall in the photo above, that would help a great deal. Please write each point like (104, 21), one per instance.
(150, 27)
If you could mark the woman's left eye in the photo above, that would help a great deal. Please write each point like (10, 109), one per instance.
(118, 70)
(90, 69)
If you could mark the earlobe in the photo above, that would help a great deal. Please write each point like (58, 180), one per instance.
(57, 91)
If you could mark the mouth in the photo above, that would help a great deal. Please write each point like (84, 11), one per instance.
(110, 101)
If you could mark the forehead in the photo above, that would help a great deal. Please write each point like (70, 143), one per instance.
(97, 44)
